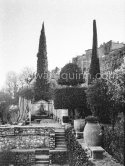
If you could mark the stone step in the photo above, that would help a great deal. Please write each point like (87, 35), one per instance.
(59, 135)
(61, 146)
(58, 145)
(42, 162)
(61, 149)
(60, 142)
(42, 157)
(41, 165)
(58, 150)
(63, 136)
(42, 151)
(60, 139)
(60, 132)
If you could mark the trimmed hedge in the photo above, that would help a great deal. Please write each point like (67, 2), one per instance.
(17, 158)
(59, 158)
(77, 155)
(70, 97)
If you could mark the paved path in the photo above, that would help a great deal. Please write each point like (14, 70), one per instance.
(48, 123)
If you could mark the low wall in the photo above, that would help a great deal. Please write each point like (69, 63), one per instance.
(17, 158)
(26, 137)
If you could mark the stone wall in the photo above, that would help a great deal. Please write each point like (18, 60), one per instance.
(24, 137)
(17, 158)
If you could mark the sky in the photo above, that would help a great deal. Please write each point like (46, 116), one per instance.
(68, 29)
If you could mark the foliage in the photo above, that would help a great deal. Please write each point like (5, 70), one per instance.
(25, 77)
(94, 66)
(4, 111)
(116, 87)
(70, 98)
(42, 86)
(77, 155)
(4, 96)
(5, 100)
(114, 59)
(60, 158)
(5, 157)
(71, 75)
(12, 84)
(91, 119)
(100, 101)
(114, 140)
(27, 93)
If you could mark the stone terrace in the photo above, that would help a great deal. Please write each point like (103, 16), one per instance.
(37, 142)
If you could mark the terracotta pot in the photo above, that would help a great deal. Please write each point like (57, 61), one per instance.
(79, 124)
(92, 134)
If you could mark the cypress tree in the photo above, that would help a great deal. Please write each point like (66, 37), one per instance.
(41, 88)
(94, 70)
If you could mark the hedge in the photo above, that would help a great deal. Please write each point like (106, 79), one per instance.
(59, 157)
(70, 97)
(77, 155)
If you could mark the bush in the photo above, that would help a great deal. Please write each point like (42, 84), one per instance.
(114, 141)
(100, 101)
(77, 155)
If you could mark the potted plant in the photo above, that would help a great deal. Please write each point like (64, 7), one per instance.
(92, 132)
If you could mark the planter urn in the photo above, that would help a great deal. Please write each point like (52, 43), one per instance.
(92, 133)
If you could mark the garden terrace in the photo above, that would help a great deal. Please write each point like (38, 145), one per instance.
(29, 145)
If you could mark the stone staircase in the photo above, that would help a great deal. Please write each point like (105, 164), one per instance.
(60, 139)
(42, 157)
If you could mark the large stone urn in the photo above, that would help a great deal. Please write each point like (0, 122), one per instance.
(92, 132)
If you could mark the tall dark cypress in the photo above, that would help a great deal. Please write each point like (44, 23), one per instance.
(94, 70)
(41, 88)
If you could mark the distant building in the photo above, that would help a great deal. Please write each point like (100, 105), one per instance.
(80, 61)
(105, 49)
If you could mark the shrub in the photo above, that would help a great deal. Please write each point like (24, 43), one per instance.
(113, 141)
(100, 101)
(77, 155)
